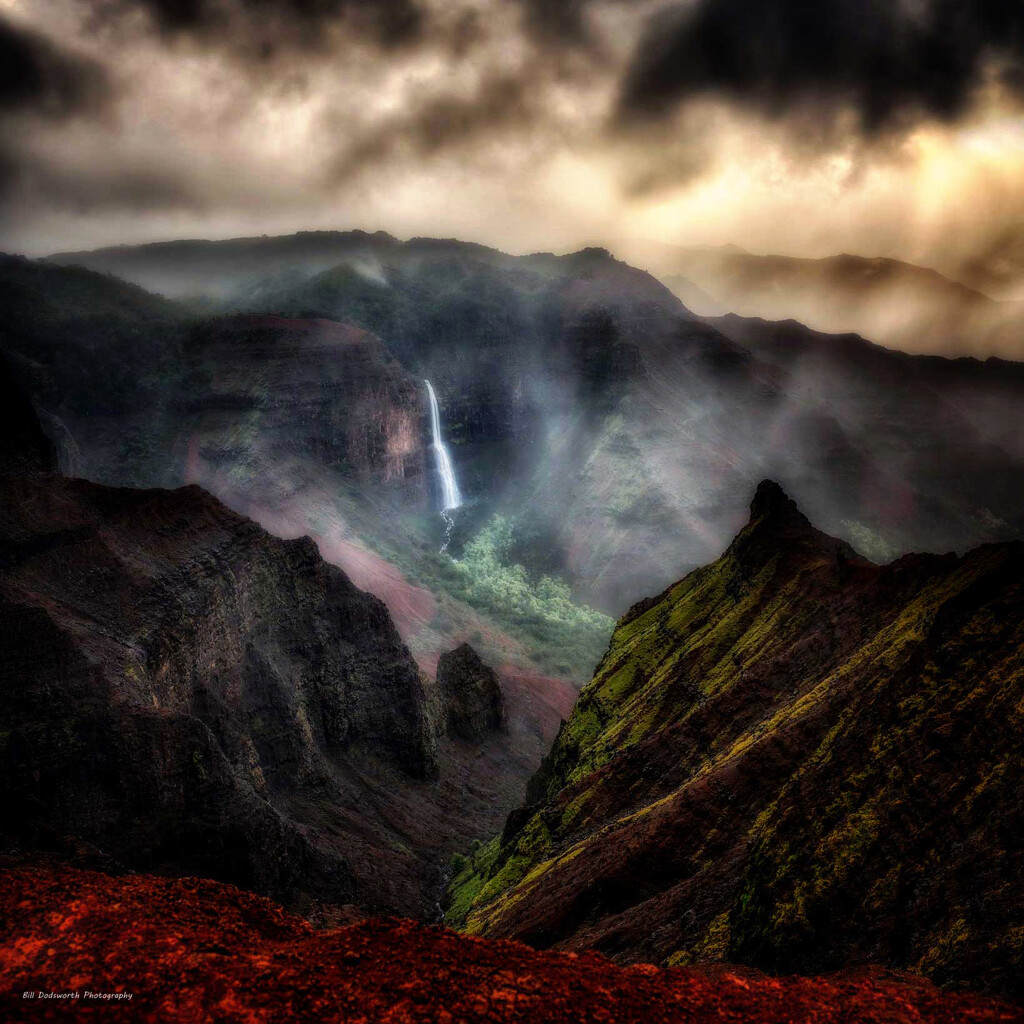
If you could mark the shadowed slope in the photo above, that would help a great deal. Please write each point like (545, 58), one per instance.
(792, 758)
(183, 692)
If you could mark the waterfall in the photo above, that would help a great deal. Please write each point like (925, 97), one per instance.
(450, 495)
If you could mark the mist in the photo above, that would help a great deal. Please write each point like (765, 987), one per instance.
(499, 124)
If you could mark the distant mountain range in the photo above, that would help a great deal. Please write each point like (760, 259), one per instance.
(615, 430)
(896, 304)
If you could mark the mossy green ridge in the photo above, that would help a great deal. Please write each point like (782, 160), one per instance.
(793, 759)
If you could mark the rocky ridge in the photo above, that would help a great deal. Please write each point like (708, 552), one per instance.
(473, 705)
(792, 759)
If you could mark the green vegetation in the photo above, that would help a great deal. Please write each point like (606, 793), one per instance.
(714, 945)
(566, 638)
(860, 842)
(531, 606)
(468, 877)
(888, 702)
(573, 636)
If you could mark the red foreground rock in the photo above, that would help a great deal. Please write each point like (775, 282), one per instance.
(194, 950)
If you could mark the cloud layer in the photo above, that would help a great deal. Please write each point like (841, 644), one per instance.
(893, 63)
(38, 77)
(805, 126)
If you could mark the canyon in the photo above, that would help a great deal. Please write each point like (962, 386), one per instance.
(185, 693)
(246, 645)
(617, 431)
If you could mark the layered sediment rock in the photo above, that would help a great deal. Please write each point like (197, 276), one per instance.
(272, 390)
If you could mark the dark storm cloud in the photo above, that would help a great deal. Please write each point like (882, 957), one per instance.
(38, 77)
(556, 21)
(263, 27)
(892, 62)
(528, 123)
(79, 190)
(555, 25)
(40, 81)
(500, 105)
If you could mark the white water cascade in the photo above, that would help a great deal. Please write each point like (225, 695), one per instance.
(450, 494)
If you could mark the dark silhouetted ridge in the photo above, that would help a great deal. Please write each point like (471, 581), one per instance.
(771, 500)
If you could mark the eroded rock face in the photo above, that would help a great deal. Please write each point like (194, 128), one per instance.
(176, 678)
(182, 691)
(271, 389)
(470, 694)
(250, 407)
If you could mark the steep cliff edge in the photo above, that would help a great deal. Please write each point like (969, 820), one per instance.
(262, 392)
(157, 394)
(183, 692)
(177, 682)
(793, 759)
(307, 425)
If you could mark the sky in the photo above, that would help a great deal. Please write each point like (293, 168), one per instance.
(806, 127)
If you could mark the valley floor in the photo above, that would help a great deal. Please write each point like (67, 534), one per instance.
(193, 950)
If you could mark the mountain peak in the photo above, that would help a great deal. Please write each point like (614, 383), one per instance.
(592, 253)
(777, 525)
(771, 500)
